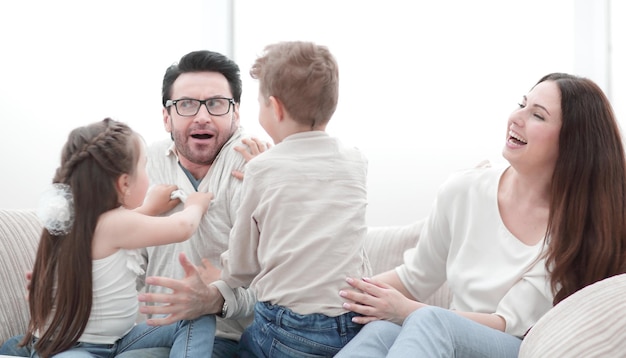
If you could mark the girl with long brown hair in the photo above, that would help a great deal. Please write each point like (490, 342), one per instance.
(83, 296)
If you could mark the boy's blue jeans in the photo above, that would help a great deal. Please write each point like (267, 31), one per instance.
(186, 338)
(279, 332)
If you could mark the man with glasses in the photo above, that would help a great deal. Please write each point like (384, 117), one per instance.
(200, 96)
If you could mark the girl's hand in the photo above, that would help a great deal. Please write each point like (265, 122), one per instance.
(201, 199)
(29, 277)
(376, 300)
(158, 200)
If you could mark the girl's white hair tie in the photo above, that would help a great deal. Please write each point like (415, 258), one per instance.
(56, 209)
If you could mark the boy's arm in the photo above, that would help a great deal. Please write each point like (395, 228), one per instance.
(239, 301)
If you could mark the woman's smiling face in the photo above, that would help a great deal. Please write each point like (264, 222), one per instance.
(532, 138)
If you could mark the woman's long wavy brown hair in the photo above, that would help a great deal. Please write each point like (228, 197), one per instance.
(587, 223)
(60, 297)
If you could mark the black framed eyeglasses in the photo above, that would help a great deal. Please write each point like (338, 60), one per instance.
(188, 107)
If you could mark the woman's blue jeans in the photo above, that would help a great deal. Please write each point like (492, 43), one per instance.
(192, 338)
(431, 332)
(279, 332)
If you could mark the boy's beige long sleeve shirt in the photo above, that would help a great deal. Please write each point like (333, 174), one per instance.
(301, 224)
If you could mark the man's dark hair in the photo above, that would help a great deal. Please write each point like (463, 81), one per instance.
(203, 61)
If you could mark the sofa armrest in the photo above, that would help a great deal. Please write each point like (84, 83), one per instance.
(19, 237)
(386, 247)
(589, 323)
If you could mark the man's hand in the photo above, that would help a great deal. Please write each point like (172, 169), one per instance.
(208, 273)
(190, 297)
(254, 147)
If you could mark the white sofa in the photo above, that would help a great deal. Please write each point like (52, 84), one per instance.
(590, 323)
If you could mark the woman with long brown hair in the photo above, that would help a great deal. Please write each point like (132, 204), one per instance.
(512, 241)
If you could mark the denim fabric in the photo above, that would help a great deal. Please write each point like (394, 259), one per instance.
(10, 347)
(186, 338)
(431, 332)
(160, 352)
(279, 332)
(222, 348)
(225, 348)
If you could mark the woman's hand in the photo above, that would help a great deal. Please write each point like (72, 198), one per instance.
(376, 300)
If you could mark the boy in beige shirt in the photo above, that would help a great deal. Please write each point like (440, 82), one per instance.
(301, 224)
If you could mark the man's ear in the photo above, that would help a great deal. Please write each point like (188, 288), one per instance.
(235, 113)
(167, 120)
(277, 108)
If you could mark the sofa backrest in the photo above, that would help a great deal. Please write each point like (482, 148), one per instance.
(19, 236)
(386, 247)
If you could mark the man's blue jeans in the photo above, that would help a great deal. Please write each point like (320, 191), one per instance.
(222, 348)
(279, 332)
(186, 338)
(431, 332)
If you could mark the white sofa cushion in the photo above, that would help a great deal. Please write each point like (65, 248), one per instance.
(589, 323)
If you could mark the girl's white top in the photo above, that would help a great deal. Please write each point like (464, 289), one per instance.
(115, 304)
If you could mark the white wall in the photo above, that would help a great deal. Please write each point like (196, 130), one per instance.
(426, 86)
(617, 58)
(66, 63)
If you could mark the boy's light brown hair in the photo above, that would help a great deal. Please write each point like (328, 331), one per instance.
(303, 76)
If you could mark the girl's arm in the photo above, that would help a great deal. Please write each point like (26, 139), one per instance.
(132, 229)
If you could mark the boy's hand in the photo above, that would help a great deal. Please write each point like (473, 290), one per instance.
(254, 147)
